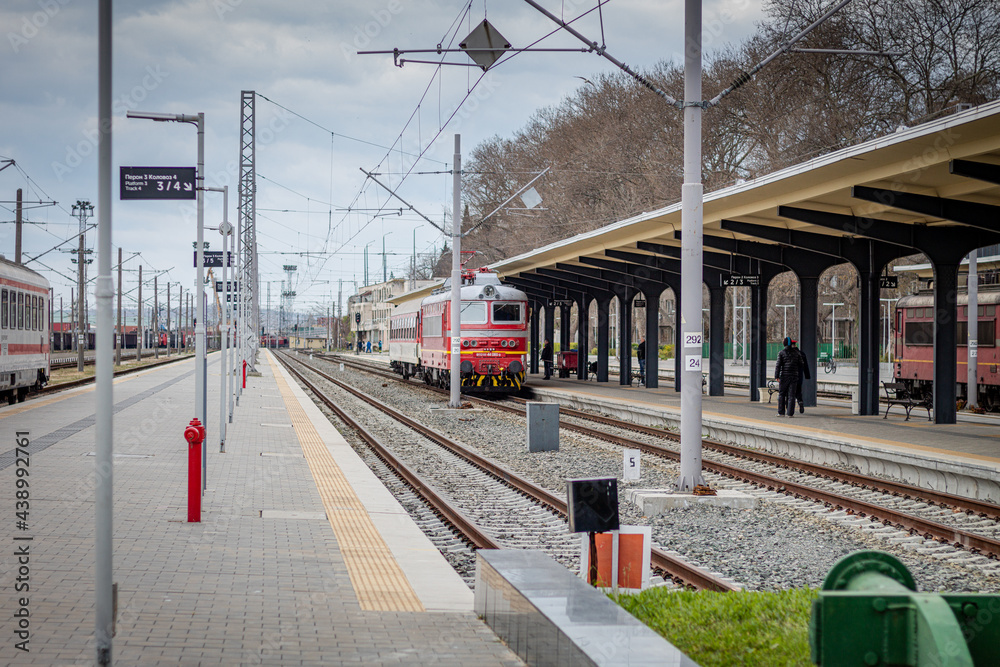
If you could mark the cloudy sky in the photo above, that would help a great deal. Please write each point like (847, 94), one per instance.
(323, 113)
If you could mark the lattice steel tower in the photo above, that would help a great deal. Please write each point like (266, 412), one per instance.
(287, 293)
(248, 306)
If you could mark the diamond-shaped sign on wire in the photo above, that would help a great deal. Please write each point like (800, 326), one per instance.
(485, 45)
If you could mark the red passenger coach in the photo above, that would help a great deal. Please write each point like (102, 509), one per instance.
(493, 336)
(913, 346)
(24, 331)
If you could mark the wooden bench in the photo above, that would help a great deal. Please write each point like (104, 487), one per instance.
(896, 393)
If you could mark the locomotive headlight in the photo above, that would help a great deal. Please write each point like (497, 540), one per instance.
(512, 343)
(503, 343)
(474, 343)
(465, 343)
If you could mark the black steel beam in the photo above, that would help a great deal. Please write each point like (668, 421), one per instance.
(981, 171)
(974, 214)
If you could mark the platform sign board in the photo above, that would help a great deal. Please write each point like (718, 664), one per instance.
(561, 303)
(736, 280)
(639, 303)
(888, 282)
(231, 286)
(157, 183)
(213, 258)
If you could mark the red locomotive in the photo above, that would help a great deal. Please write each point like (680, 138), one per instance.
(913, 345)
(493, 333)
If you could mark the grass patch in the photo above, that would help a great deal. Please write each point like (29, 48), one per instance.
(723, 629)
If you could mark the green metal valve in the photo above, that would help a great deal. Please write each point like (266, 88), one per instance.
(870, 613)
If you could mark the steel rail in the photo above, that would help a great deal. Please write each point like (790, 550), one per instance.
(469, 530)
(926, 527)
(974, 505)
(70, 384)
(674, 567)
(67, 362)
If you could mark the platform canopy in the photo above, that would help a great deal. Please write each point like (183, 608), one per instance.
(933, 188)
(914, 160)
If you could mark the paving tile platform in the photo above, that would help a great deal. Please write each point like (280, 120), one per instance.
(302, 557)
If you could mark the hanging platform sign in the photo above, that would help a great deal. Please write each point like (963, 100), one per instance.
(639, 303)
(737, 280)
(232, 285)
(212, 259)
(561, 303)
(888, 282)
(157, 183)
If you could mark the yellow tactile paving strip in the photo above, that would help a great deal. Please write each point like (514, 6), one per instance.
(378, 581)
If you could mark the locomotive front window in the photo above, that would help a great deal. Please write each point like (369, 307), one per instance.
(432, 326)
(507, 313)
(473, 312)
(987, 333)
(918, 333)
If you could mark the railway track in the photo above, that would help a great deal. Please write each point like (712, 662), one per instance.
(60, 386)
(88, 359)
(925, 512)
(674, 567)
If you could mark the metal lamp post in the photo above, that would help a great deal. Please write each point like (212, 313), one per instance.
(225, 229)
(833, 327)
(384, 277)
(784, 325)
(200, 376)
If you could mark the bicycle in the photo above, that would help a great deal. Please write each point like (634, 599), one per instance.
(830, 366)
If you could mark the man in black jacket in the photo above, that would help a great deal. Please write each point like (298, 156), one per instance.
(803, 376)
(640, 354)
(786, 371)
(547, 359)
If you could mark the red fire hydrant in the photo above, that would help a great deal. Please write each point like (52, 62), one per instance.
(195, 436)
(244, 374)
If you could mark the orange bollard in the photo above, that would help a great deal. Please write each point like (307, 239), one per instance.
(195, 436)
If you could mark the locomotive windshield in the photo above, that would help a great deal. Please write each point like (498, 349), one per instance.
(508, 313)
(473, 312)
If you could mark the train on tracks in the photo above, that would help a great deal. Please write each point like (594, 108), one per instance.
(493, 334)
(24, 331)
(913, 347)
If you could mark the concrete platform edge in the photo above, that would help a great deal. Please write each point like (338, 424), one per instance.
(952, 473)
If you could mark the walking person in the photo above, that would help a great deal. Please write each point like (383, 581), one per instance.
(640, 354)
(547, 359)
(786, 371)
(803, 375)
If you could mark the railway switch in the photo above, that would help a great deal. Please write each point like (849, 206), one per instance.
(870, 613)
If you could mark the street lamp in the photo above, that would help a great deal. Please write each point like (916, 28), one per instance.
(200, 374)
(784, 325)
(384, 278)
(888, 332)
(225, 229)
(833, 326)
